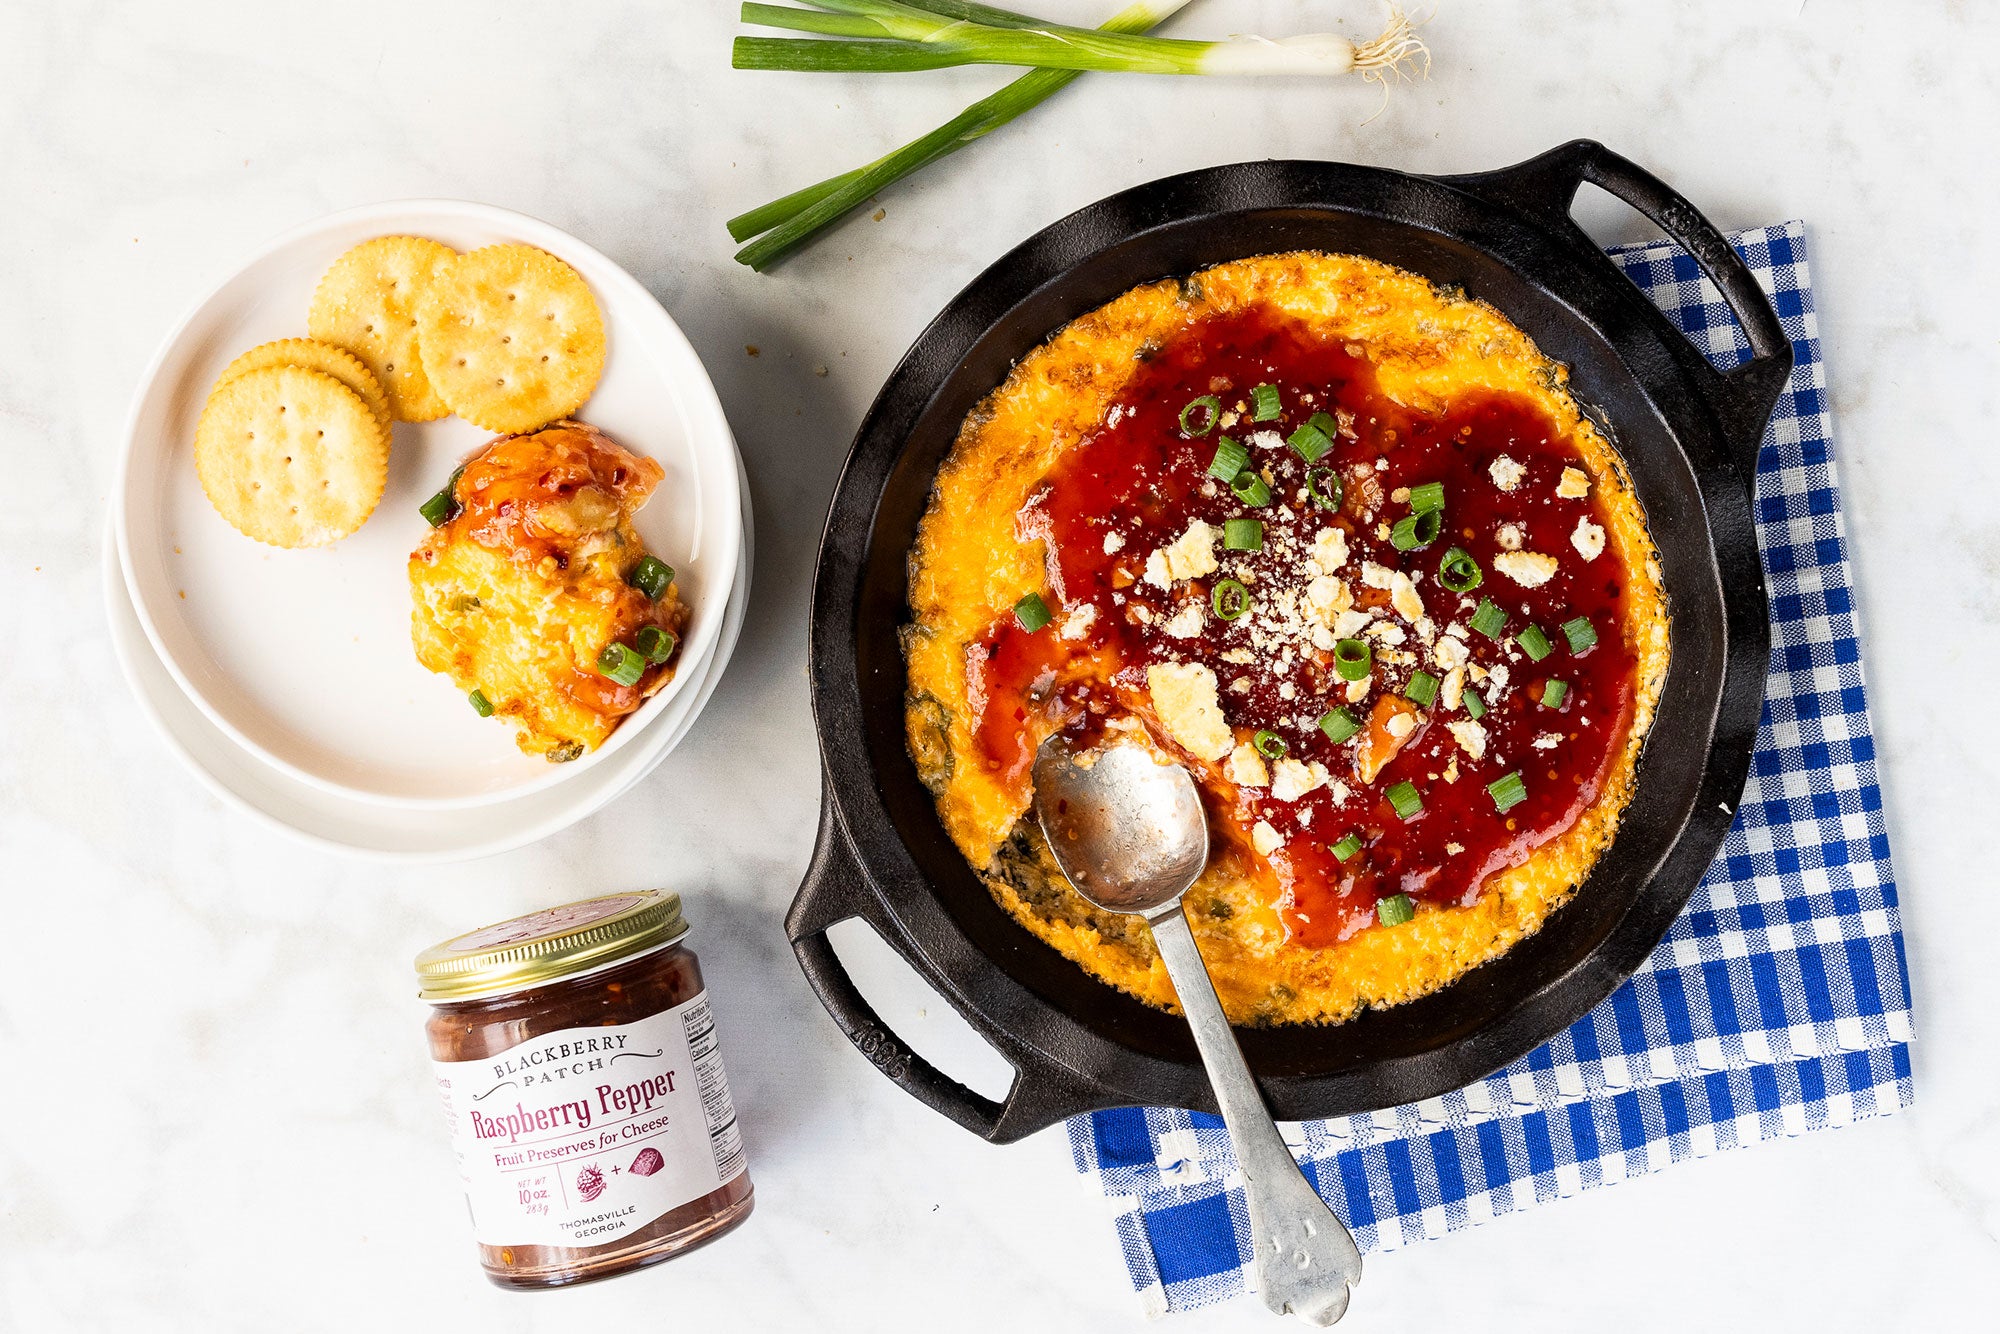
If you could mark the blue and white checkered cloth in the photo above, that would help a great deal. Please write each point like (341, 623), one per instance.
(1777, 1004)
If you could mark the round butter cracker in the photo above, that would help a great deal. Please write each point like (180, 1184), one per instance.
(511, 338)
(291, 457)
(308, 354)
(367, 303)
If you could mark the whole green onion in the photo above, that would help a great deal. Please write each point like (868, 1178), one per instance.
(787, 223)
(883, 36)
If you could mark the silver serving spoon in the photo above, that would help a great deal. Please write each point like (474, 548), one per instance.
(1127, 829)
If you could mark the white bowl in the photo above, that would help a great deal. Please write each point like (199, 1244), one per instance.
(302, 658)
(407, 834)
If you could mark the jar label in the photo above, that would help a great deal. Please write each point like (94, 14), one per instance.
(578, 1137)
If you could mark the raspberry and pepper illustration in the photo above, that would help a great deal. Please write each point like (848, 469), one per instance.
(589, 1183)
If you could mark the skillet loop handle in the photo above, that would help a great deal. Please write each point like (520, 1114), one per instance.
(835, 889)
(1545, 187)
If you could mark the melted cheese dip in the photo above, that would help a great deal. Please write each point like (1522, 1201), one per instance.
(1344, 545)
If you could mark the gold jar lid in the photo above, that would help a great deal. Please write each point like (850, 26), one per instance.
(549, 945)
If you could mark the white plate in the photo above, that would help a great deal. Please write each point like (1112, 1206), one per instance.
(409, 835)
(303, 658)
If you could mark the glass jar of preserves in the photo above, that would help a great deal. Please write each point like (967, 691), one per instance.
(583, 1087)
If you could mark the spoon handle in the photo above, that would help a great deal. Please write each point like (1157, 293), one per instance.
(1305, 1257)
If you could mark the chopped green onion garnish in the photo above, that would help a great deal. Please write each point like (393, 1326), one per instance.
(655, 643)
(1554, 692)
(1251, 489)
(1325, 487)
(437, 511)
(1507, 792)
(1413, 532)
(1324, 424)
(1031, 612)
(480, 704)
(1230, 459)
(1243, 535)
(1403, 796)
(443, 507)
(1229, 598)
(1264, 402)
(1338, 724)
(1422, 689)
(1580, 633)
(621, 663)
(1270, 745)
(1348, 847)
(651, 576)
(1475, 707)
(1534, 643)
(1200, 416)
(1310, 442)
(1488, 619)
(1428, 497)
(1458, 572)
(1395, 910)
(1353, 659)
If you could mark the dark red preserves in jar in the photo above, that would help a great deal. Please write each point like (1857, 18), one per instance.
(583, 1087)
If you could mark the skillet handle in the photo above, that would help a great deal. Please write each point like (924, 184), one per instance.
(1545, 188)
(835, 889)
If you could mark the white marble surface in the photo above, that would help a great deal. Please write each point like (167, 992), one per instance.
(214, 1112)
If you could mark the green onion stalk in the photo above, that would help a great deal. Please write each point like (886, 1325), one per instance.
(784, 225)
(891, 36)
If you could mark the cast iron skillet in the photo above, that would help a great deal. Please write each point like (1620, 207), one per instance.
(1689, 435)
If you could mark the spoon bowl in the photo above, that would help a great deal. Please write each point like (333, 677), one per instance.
(1125, 824)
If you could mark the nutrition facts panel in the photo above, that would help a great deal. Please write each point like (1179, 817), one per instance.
(713, 1085)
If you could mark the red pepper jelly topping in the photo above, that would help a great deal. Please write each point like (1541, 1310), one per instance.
(1485, 720)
